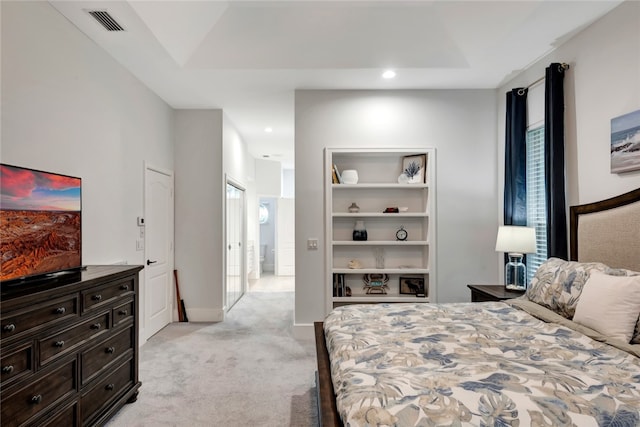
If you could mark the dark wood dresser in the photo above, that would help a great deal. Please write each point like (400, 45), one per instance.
(69, 349)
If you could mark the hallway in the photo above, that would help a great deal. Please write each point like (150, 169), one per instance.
(270, 283)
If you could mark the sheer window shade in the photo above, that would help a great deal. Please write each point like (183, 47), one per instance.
(536, 209)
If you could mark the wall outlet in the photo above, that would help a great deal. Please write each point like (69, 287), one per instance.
(312, 243)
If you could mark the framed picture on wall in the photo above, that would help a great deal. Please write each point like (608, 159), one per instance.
(625, 142)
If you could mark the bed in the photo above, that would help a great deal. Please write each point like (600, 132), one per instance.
(560, 355)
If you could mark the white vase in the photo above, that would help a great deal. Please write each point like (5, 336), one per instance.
(403, 179)
(349, 176)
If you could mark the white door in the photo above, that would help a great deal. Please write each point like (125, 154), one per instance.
(158, 212)
(235, 253)
(285, 238)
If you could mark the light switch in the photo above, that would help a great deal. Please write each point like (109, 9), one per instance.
(312, 243)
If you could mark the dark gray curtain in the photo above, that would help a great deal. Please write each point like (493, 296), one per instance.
(554, 161)
(515, 165)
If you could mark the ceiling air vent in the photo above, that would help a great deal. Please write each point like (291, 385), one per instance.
(106, 20)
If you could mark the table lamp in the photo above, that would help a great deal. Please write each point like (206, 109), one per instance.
(516, 241)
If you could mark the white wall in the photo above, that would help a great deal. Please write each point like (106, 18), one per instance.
(602, 83)
(269, 173)
(288, 183)
(68, 107)
(240, 166)
(208, 149)
(199, 186)
(460, 124)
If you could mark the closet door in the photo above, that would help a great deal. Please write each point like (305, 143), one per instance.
(235, 253)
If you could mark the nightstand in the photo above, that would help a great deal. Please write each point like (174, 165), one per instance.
(481, 293)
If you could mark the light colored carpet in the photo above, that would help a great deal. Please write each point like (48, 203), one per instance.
(271, 283)
(246, 371)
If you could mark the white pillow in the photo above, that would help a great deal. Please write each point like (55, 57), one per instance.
(610, 305)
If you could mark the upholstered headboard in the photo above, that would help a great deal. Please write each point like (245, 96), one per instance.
(608, 231)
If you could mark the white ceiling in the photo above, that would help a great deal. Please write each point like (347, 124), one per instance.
(248, 57)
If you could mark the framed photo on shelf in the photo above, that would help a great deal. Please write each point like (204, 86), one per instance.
(414, 167)
(412, 286)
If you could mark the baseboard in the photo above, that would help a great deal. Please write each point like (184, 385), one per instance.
(205, 315)
(303, 331)
(141, 337)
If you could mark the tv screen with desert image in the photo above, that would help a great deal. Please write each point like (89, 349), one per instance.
(40, 222)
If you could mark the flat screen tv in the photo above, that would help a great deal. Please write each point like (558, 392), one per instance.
(40, 224)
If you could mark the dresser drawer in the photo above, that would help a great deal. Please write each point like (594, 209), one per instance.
(16, 363)
(123, 313)
(65, 418)
(100, 357)
(43, 393)
(67, 340)
(18, 322)
(99, 297)
(106, 390)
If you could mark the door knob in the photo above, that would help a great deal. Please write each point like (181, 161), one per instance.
(149, 262)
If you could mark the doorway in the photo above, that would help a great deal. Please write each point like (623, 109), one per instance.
(277, 246)
(235, 282)
(267, 219)
(157, 231)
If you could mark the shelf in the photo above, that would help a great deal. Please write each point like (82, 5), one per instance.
(379, 186)
(377, 189)
(380, 215)
(381, 298)
(381, 270)
(379, 243)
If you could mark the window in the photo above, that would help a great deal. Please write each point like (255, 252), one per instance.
(536, 205)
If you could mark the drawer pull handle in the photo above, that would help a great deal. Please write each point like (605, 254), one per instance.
(123, 312)
(61, 310)
(124, 287)
(110, 387)
(96, 326)
(97, 297)
(7, 369)
(9, 328)
(111, 350)
(59, 343)
(36, 399)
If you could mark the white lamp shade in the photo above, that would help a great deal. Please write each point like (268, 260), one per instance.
(512, 238)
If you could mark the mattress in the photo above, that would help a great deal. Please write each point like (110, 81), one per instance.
(475, 364)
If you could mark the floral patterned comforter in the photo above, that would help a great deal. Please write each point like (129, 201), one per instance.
(474, 364)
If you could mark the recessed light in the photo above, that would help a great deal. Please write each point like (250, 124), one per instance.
(268, 130)
(389, 74)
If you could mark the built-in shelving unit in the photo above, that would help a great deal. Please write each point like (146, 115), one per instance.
(377, 189)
